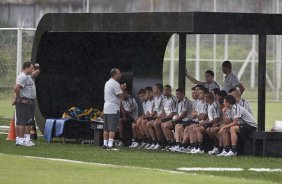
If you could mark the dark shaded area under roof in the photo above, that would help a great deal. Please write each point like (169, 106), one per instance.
(76, 51)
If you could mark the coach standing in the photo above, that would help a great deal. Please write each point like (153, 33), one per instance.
(112, 97)
(24, 101)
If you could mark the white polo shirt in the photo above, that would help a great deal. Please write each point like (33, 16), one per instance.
(130, 106)
(244, 103)
(144, 106)
(158, 104)
(169, 104)
(231, 80)
(112, 100)
(150, 106)
(243, 115)
(211, 86)
(28, 87)
(185, 105)
(213, 111)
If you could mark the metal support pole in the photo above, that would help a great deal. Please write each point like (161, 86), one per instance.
(182, 60)
(278, 66)
(253, 64)
(214, 56)
(171, 68)
(261, 82)
(197, 64)
(226, 56)
(19, 51)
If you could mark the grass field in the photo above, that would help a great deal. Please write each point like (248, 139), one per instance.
(46, 171)
(30, 170)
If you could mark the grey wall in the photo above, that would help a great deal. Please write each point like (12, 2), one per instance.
(28, 15)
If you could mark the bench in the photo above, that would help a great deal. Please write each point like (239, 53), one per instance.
(68, 128)
(264, 143)
(98, 132)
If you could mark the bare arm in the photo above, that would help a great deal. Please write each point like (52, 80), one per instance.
(171, 115)
(122, 87)
(241, 88)
(181, 116)
(192, 79)
(17, 89)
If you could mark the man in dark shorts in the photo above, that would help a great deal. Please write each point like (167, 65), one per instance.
(184, 114)
(24, 101)
(204, 126)
(112, 96)
(243, 123)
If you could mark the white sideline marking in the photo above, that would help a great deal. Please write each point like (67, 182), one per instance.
(162, 170)
(208, 169)
(100, 164)
(265, 170)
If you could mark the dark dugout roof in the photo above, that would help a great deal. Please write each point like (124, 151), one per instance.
(188, 22)
(76, 51)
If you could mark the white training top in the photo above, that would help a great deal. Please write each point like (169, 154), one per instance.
(158, 104)
(211, 86)
(169, 104)
(200, 107)
(213, 111)
(185, 105)
(244, 103)
(150, 106)
(231, 80)
(244, 116)
(28, 86)
(130, 106)
(144, 106)
(112, 100)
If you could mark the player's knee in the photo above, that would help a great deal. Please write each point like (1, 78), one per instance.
(157, 124)
(233, 129)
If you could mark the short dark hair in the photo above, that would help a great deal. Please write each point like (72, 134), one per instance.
(167, 86)
(141, 91)
(159, 86)
(221, 100)
(206, 90)
(227, 64)
(210, 95)
(222, 93)
(200, 86)
(149, 88)
(210, 72)
(230, 99)
(113, 72)
(193, 88)
(181, 90)
(216, 91)
(26, 64)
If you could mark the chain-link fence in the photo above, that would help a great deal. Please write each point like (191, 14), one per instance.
(15, 48)
(208, 52)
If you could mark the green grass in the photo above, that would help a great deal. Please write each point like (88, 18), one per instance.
(29, 170)
(6, 109)
(144, 158)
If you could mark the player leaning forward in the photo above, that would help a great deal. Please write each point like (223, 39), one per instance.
(112, 96)
(25, 95)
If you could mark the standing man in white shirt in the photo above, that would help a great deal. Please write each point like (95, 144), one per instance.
(231, 80)
(112, 96)
(24, 101)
